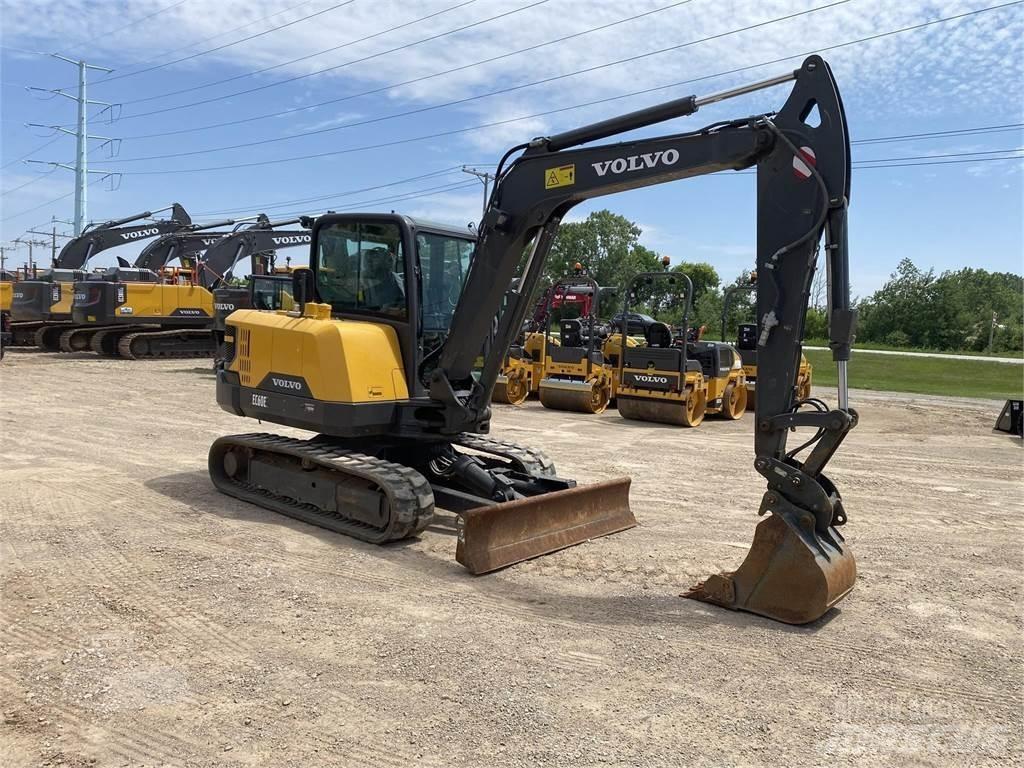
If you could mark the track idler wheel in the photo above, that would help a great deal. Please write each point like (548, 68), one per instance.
(580, 396)
(734, 401)
(793, 572)
(48, 338)
(512, 388)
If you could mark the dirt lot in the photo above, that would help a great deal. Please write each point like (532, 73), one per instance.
(148, 620)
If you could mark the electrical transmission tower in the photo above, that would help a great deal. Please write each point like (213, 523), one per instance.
(81, 167)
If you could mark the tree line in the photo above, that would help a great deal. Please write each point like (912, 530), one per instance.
(954, 310)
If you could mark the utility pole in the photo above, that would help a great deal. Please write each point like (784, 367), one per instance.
(29, 243)
(80, 167)
(484, 177)
(53, 244)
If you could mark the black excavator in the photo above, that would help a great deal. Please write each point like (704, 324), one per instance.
(41, 304)
(269, 285)
(402, 413)
(185, 245)
(172, 316)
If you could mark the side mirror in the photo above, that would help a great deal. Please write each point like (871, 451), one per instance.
(303, 287)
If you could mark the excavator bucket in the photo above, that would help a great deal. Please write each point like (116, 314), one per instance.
(791, 574)
(500, 535)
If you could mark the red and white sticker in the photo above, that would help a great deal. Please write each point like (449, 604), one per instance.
(802, 163)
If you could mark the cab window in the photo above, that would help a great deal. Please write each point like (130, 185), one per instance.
(361, 268)
(444, 262)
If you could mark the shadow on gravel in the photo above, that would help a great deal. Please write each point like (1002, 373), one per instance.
(666, 609)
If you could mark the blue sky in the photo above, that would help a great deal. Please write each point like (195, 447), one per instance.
(966, 73)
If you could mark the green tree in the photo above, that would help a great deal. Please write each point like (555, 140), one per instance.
(608, 247)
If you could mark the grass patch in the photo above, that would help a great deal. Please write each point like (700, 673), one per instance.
(923, 375)
(891, 348)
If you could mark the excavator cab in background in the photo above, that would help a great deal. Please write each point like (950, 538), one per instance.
(402, 411)
(42, 304)
(746, 345)
(576, 377)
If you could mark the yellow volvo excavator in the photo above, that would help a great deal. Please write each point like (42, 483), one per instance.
(6, 290)
(402, 414)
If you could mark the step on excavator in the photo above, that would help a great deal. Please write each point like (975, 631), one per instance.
(41, 304)
(89, 315)
(677, 381)
(746, 344)
(268, 286)
(402, 416)
(174, 316)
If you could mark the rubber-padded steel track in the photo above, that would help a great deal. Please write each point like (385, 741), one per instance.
(527, 459)
(175, 343)
(410, 501)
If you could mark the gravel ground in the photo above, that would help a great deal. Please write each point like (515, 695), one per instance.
(149, 620)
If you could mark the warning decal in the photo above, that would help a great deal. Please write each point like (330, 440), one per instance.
(563, 176)
(802, 163)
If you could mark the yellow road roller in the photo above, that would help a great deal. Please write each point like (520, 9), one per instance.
(576, 377)
(675, 381)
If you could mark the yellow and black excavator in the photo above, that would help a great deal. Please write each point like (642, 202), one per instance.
(402, 414)
(746, 343)
(172, 316)
(677, 380)
(41, 304)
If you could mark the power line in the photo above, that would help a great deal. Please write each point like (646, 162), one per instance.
(227, 45)
(217, 99)
(464, 100)
(194, 43)
(467, 129)
(453, 169)
(40, 148)
(390, 86)
(33, 180)
(304, 58)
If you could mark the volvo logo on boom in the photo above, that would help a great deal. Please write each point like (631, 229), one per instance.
(637, 162)
(292, 239)
(141, 233)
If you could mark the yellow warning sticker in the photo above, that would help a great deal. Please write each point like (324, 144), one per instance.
(563, 176)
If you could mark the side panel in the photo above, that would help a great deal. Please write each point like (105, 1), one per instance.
(6, 291)
(340, 361)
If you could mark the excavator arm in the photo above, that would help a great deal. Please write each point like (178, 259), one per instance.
(252, 243)
(77, 251)
(799, 565)
(187, 243)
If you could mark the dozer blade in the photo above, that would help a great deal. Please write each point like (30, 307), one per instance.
(503, 534)
(791, 574)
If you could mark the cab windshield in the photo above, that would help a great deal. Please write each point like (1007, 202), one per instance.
(361, 268)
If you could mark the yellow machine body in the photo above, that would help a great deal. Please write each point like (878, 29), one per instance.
(338, 361)
(6, 291)
(520, 377)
